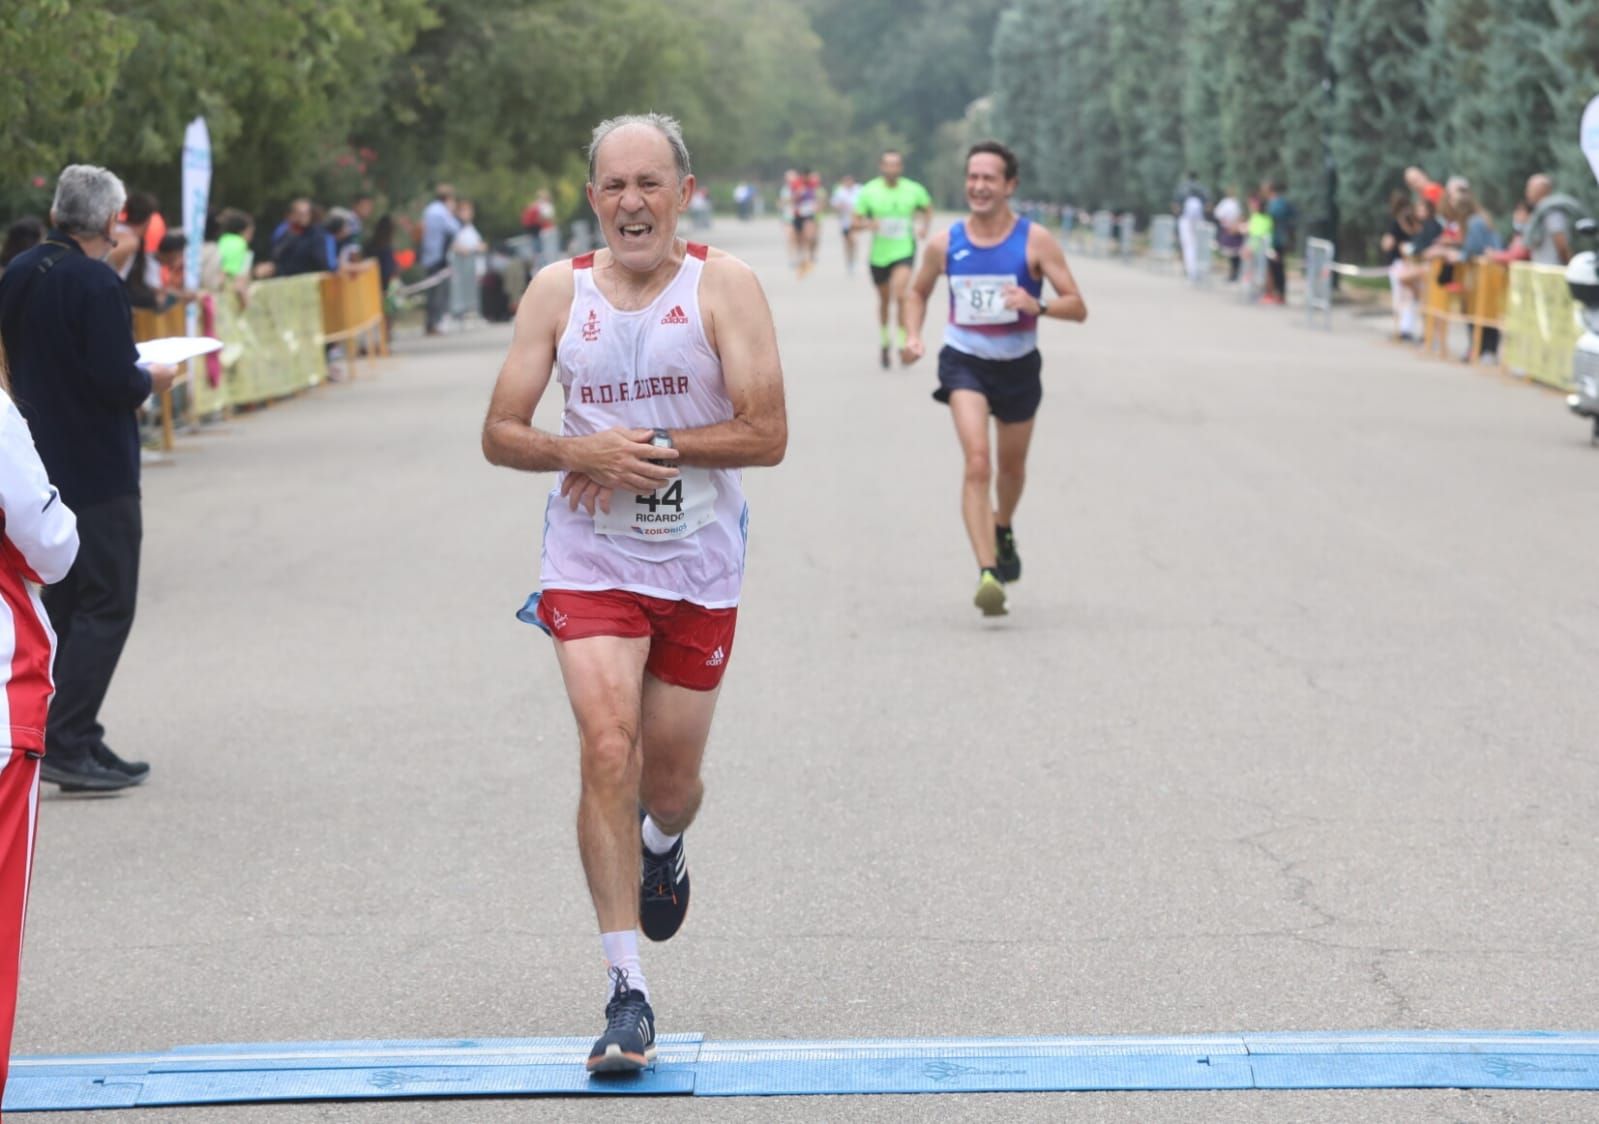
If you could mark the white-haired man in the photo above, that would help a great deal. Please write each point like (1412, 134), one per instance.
(668, 359)
(75, 375)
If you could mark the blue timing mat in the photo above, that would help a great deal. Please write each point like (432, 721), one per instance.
(689, 1065)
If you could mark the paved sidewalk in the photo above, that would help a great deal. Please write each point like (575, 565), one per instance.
(1290, 728)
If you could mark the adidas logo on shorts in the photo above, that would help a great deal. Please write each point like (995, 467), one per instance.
(718, 658)
(676, 316)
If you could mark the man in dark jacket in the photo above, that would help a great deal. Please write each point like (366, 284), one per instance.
(301, 245)
(68, 339)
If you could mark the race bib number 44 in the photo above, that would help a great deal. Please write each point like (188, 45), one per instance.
(674, 511)
(980, 298)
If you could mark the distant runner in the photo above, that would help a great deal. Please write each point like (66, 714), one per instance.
(668, 363)
(843, 204)
(997, 263)
(898, 212)
(805, 189)
(786, 212)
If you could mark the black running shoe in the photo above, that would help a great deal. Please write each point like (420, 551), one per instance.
(628, 1044)
(1008, 562)
(663, 893)
(885, 357)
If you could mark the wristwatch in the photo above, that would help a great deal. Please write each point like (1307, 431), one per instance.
(1043, 306)
(662, 439)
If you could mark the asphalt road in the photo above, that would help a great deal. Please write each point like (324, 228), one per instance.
(1290, 727)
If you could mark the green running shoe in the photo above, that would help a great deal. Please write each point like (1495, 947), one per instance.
(1009, 565)
(990, 595)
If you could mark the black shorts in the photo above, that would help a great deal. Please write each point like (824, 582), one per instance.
(801, 222)
(881, 273)
(1012, 386)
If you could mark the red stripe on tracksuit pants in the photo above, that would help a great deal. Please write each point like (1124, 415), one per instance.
(19, 817)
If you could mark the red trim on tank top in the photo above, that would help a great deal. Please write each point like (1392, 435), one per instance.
(698, 250)
(584, 261)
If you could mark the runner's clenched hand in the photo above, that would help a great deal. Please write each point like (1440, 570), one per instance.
(622, 459)
(581, 491)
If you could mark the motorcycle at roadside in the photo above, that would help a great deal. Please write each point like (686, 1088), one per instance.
(1582, 279)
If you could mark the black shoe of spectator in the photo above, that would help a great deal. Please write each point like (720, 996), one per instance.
(82, 775)
(137, 770)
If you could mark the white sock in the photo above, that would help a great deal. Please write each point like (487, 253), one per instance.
(657, 840)
(621, 952)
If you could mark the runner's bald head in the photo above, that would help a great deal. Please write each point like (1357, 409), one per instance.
(667, 127)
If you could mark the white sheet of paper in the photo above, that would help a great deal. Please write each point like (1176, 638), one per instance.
(172, 350)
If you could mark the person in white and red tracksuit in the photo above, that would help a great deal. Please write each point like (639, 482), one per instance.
(38, 545)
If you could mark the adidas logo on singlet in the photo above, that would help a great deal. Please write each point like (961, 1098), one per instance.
(676, 316)
(718, 658)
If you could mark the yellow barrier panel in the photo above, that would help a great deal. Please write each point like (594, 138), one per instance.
(274, 347)
(151, 325)
(1442, 303)
(1540, 324)
(276, 344)
(1487, 288)
(352, 309)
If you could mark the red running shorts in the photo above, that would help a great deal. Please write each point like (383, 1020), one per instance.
(689, 644)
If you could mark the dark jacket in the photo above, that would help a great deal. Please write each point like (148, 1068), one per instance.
(68, 336)
(302, 251)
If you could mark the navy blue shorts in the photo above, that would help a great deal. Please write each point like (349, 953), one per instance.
(1012, 386)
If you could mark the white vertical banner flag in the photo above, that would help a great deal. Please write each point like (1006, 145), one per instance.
(196, 199)
(1590, 135)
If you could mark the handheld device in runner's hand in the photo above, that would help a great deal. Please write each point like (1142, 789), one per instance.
(980, 298)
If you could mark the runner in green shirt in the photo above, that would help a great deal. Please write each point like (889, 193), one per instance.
(898, 212)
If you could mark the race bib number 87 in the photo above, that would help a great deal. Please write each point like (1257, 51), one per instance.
(672, 512)
(980, 298)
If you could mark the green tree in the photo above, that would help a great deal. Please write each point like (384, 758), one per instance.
(1387, 79)
(1206, 40)
(1308, 122)
(1571, 58)
(1144, 93)
(59, 63)
(1503, 117)
(946, 173)
(1253, 88)
(280, 83)
(1052, 74)
(911, 65)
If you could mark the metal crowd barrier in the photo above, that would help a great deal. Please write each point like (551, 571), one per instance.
(1207, 251)
(1127, 224)
(1256, 252)
(1162, 239)
(549, 246)
(1104, 226)
(1318, 280)
(582, 239)
(465, 300)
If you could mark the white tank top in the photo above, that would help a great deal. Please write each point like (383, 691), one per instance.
(648, 369)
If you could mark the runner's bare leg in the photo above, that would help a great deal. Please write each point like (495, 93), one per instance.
(1011, 440)
(677, 724)
(605, 682)
(970, 411)
(899, 281)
